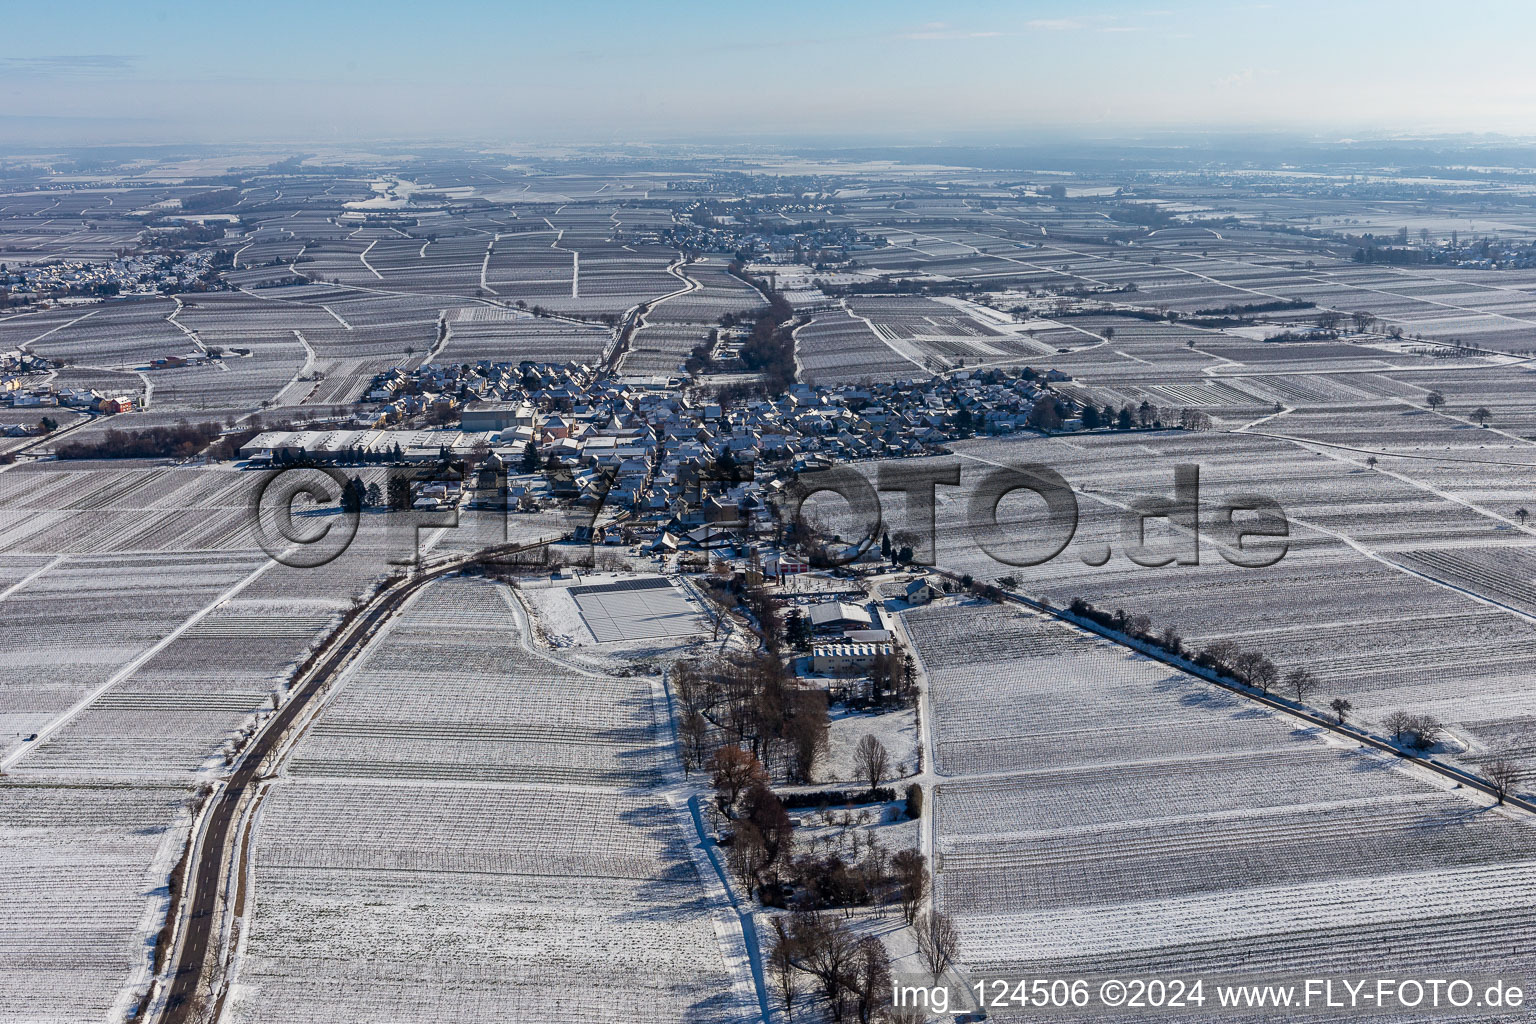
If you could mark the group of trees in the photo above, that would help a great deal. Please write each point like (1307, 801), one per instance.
(1255, 669)
(887, 684)
(1248, 309)
(356, 496)
(899, 549)
(343, 457)
(819, 957)
(870, 876)
(761, 833)
(403, 489)
(1048, 413)
(1194, 419)
(1393, 255)
(1146, 416)
(179, 441)
(770, 345)
(748, 702)
(1481, 415)
(702, 358)
(850, 974)
(1420, 731)
(759, 836)
(891, 682)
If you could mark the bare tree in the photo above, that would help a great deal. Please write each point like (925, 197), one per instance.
(826, 947)
(718, 603)
(911, 870)
(733, 770)
(1255, 669)
(873, 759)
(1434, 399)
(1482, 415)
(1397, 722)
(1503, 776)
(1220, 654)
(1301, 682)
(870, 979)
(937, 942)
(1340, 708)
(782, 969)
(693, 732)
(1426, 730)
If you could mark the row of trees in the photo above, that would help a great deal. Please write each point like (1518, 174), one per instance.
(1421, 731)
(180, 441)
(770, 346)
(1145, 416)
(1251, 668)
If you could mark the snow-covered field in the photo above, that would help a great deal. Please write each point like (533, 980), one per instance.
(453, 694)
(142, 637)
(470, 819)
(1099, 814)
(83, 871)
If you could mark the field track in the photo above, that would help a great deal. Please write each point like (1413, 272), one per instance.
(199, 903)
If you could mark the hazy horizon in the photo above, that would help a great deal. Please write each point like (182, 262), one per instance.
(890, 72)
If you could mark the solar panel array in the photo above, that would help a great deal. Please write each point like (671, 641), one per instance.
(635, 610)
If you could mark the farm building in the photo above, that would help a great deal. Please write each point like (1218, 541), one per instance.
(921, 592)
(836, 616)
(833, 658)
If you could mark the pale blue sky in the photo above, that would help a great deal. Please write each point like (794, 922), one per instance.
(636, 71)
